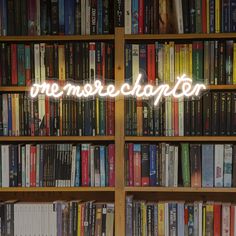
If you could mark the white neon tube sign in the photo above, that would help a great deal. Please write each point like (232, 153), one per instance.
(183, 87)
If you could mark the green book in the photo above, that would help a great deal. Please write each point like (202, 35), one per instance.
(185, 164)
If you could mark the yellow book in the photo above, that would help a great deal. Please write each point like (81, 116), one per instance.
(177, 46)
(204, 221)
(61, 60)
(217, 16)
(144, 218)
(79, 220)
(161, 219)
(234, 65)
(190, 60)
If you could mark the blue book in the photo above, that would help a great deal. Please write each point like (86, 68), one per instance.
(9, 116)
(212, 16)
(69, 17)
(153, 166)
(61, 6)
(180, 218)
(77, 167)
(128, 63)
(207, 165)
(225, 16)
(4, 17)
(102, 166)
(143, 62)
(99, 17)
(134, 26)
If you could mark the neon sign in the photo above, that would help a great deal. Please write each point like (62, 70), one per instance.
(183, 87)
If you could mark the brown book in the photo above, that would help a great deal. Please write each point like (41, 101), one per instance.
(98, 225)
(195, 162)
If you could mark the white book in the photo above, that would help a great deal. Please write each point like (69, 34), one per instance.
(176, 151)
(17, 131)
(27, 166)
(83, 18)
(23, 161)
(16, 220)
(196, 219)
(42, 63)
(5, 165)
(179, 15)
(167, 153)
(36, 63)
(166, 219)
(200, 219)
(225, 219)
(37, 157)
(92, 180)
(180, 218)
(92, 62)
(135, 62)
(128, 16)
(87, 17)
(73, 164)
(219, 163)
(228, 152)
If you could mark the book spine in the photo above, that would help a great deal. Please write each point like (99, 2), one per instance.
(185, 164)
(137, 164)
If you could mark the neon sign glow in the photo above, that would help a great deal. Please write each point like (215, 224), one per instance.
(183, 87)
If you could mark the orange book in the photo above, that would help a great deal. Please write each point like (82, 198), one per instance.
(232, 220)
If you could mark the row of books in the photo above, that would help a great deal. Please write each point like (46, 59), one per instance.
(57, 218)
(208, 62)
(212, 114)
(179, 218)
(179, 16)
(195, 165)
(60, 17)
(23, 64)
(24, 116)
(57, 165)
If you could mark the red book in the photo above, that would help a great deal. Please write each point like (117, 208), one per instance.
(176, 117)
(204, 17)
(151, 63)
(32, 166)
(47, 112)
(137, 164)
(140, 16)
(14, 80)
(110, 117)
(217, 219)
(111, 163)
(85, 164)
(131, 168)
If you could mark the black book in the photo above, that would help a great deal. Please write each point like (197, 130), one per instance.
(149, 219)
(77, 17)
(104, 216)
(192, 16)
(233, 114)
(9, 64)
(216, 62)
(156, 17)
(186, 19)
(156, 120)
(44, 12)
(207, 114)
(150, 119)
(193, 116)
(228, 113)
(145, 118)
(187, 120)
(54, 17)
(145, 164)
(4, 64)
(146, 15)
(1, 116)
(119, 13)
(221, 65)
(10, 17)
(198, 120)
(215, 113)
(17, 17)
(93, 220)
(93, 17)
(222, 126)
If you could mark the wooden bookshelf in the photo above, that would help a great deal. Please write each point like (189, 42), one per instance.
(143, 37)
(57, 38)
(119, 192)
(180, 139)
(55, 138)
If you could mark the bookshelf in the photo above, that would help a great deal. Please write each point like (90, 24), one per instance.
(119, 192)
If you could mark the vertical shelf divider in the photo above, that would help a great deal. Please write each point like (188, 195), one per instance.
(119, 135)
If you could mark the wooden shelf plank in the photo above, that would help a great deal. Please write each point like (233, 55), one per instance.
(55, 138)
(58, 189)
(180, 138)
(57, 38)
(144, 37)
(180, 190)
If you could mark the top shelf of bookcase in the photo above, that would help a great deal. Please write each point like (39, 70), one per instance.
(57, 38)
(179, 36)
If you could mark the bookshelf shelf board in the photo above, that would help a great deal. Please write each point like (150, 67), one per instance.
(57, 38)
(179, 36)
(58, 189)
(180, 189)
(27, 88)
(180, 138)
(55, 138)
